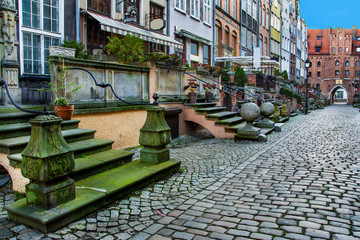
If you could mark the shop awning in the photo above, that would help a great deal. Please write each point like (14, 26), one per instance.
(111, 25)
(193, 36)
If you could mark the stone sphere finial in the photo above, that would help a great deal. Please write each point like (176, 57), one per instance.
(267, 109)
(250, 112)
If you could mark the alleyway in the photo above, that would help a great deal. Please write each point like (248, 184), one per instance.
(301, 184)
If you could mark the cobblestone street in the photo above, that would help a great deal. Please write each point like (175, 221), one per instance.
(301, 184)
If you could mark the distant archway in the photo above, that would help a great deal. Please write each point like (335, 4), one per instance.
(338, 97)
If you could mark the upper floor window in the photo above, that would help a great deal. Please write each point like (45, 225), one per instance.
(234, 9)
(206, 54)
(337, 63)
(319, 64)
(217, 3)
(357, 63)
(31, 13)
(337, 73)
(357, 73)
(340, 49)
(100, 5)
(317, 49)
(207, 12)
(227, 6)
(318, 74)
(195, 8)
(180, 4)
(333, 49)
(347, 49)
(347, 73)
(318, 37)
(347, 63)
(47, 19)
(194, 48)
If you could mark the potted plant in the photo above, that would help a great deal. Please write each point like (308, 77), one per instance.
(209, 95)
(63, 109)
(192, 86)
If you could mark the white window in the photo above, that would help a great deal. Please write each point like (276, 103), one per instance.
(267, 20)
(243, 37)
(218, 2)
(207, 12)
(227, 6)
(40, 29)
(249, 7)
(263, 17)
(261, 47)
(249, 40)
(243, 5)
(234, 9)
(347, 49)
(195, 8)
(254, 40)
(255, 11)
(180, 4)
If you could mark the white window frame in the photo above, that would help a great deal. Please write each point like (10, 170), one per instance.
(195, 8)
(217, 3)
(227, 7)
(41, 32)
(207, 12)
(179, 3)
(234, 8)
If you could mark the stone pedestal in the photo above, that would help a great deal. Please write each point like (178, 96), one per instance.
(249, 112)
(154, 136)
(9, 70)
(47, 160)
(276, 113)
(266, 110)
(284, 109)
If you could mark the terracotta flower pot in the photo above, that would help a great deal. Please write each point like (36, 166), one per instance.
(65, 112)
(192, 97)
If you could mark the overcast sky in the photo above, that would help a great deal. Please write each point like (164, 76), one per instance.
(320, 14)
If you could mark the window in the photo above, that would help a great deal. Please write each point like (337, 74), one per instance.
(357, 73)
(227, 36)
(118, 5)
(309, 73)
(227, 6)
(317, 49)
(218, 40)
(195, 8)
(207, 15)
(32, 53)
(234, 9)
(319, 64)
(156, 11)
(103, 5)
(194, 48)
(357, 49)
(318, 37)
(347, 49)
(267, 20)
(206, 54)
(217, 2)
(248, 40)
(347, 63)
(357, 63)
(333, 49)
(340, 49)
(31, 13)
(181, 51)
(337, 63)
(347, 73)
(265, 47)
(263, 17)
(318, 74)
(261, 47)
(337, 73)
(180, 4)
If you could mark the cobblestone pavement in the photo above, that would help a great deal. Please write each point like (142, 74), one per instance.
(301, 184)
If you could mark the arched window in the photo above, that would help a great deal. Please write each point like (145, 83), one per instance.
(347, 63)
(227, 36)
(337, 63)
(319, 64)
(358, 64)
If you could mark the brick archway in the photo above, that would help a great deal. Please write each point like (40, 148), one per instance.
(333, 91)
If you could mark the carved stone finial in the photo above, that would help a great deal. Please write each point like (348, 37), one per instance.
(7, 4)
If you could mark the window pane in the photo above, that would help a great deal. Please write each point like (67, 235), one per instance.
(194, 48)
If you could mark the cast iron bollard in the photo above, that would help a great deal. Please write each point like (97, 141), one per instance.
(47, 160)
(154, 136)
(266, 110)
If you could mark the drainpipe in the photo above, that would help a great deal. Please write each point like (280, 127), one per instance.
(214, 35)
(168, 18)
(77, 7)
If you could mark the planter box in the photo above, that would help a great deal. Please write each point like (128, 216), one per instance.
(62, 51)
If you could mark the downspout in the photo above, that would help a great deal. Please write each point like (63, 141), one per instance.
(77, 20)
(214, 35)
(168, 18)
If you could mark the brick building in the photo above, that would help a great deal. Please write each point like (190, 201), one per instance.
(264, 27)
(335, 57)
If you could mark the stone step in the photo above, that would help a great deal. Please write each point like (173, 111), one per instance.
(235, 127)
(81, 149)
(92, 193)
(201, 105)
(230, 121)
(23, 129)
(210, 110)
(17, 144)
(220, 115)
(15, 117)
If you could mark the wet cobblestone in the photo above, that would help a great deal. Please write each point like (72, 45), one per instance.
(301, 184)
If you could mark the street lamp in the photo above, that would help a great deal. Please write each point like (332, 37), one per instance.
(308, 65)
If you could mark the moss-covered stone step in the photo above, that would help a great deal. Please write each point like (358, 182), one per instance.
(220, 115)
(201, 105)
(81, 149)
(281, 120)
(230, 121)
(91, 194)
(23, 129)
(210, 110)
(235, 127)
(15, 117)
(17, 144)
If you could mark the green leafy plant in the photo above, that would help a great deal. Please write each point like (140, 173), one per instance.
(129, 49)
(80, 51)
(240, 77)
(61, 101)
(225, 77)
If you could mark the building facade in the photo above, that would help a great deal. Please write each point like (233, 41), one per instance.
(249, 26)
(335, 57)
(275, 45)
(227, 28)
(264, 27)
(285, 36)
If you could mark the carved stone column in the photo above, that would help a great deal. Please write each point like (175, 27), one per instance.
(9, 50)
(47, 161)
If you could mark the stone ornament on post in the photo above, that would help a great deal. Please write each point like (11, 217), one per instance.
(154, 136)
(266, 110)
(250, 112)
(276, 113)
(47, 160)
(284, 109)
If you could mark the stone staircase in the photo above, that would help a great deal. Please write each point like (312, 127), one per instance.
(102, 174)
(221, 123)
